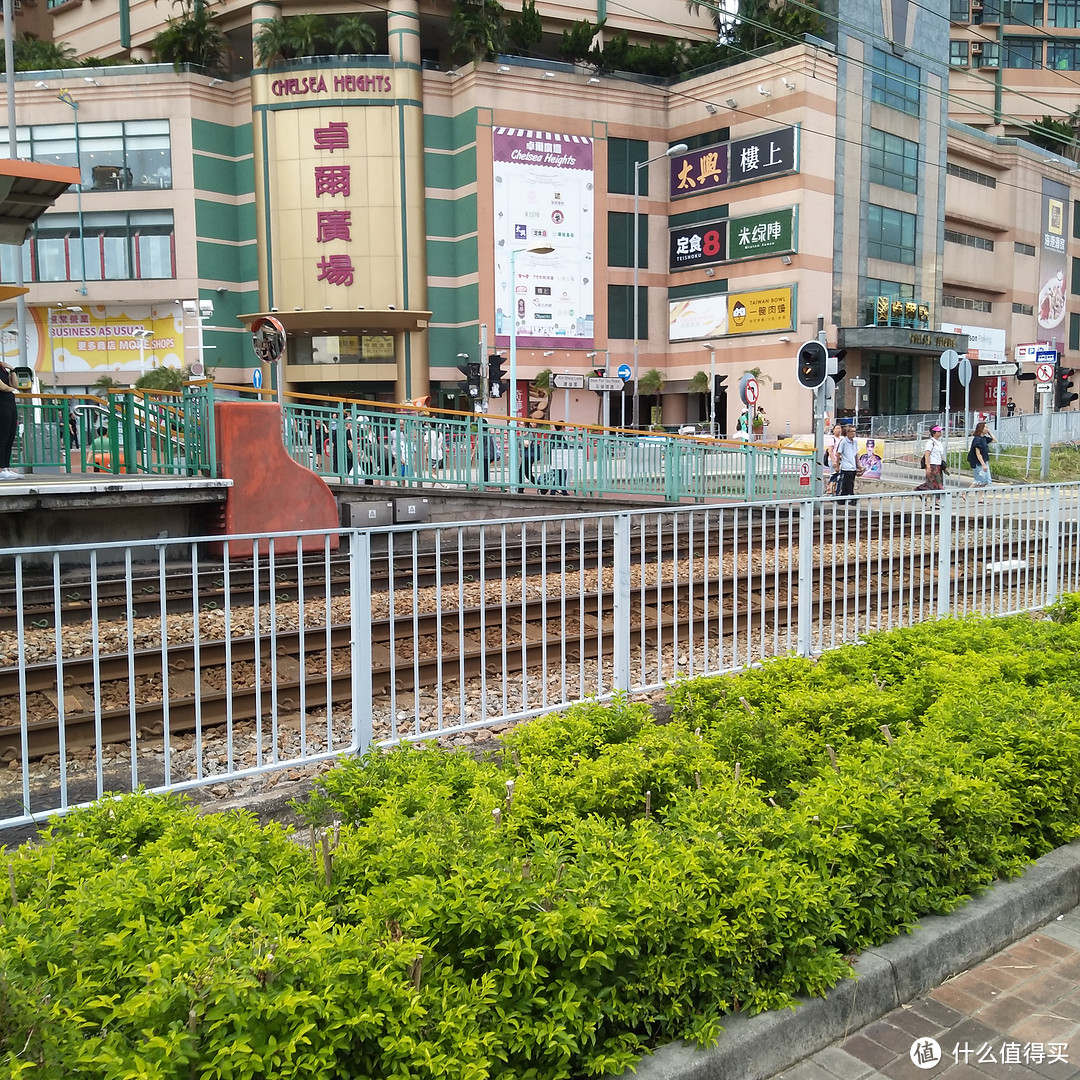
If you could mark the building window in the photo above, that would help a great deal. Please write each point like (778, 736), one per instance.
(894, 162)
(116, 247)
(620, 300)
(623, 154)
(1063, 55)
(970, 174)
(876, 287)
(958, 54)
(1023, 249)
(117, 156)
(621, 240)
(1023, 309)
(1064, 14)
(989, 11)
(1024, 13)
(959, 11)
(1074, 331)
(890, 234)
(968, 240)
(966, 303)
(985, 54)
(895, 82)
(1074, 286)
(1023, 52)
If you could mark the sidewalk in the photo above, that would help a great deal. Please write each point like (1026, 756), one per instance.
(1016, 1015)
(987, 990)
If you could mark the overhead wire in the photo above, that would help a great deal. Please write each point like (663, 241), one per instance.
(863, 64)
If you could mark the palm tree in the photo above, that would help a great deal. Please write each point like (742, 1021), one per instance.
(273, 42)
(352, 35)
(699, 384)
(476, 29)
(192, 37)
(651, 384)
(32, 54)
(306, 30)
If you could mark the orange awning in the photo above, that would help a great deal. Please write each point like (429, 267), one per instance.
(27, 190)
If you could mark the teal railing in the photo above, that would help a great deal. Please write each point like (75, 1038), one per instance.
(129, 431)
(364, 443)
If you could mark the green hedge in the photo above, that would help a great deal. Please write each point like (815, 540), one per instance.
(638, 883)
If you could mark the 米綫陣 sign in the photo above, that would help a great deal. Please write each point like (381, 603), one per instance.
(755, 236)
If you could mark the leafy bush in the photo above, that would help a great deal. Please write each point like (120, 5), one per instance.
(599, 885)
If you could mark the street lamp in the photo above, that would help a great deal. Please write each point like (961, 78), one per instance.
(671, 151)
(142, 336)
(536, 249)
(67, 99)
(712, 387)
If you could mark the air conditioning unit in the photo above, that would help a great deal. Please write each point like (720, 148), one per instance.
(16, 5)
(976, 49)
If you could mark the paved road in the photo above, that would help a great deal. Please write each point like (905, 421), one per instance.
(1014, 1015)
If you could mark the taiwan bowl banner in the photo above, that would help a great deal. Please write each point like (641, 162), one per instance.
(543, 197)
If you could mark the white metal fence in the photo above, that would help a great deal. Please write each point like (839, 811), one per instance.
(170, 666)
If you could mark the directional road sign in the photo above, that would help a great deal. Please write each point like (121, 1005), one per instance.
(1043, 388)
(996, 369)
(256, 378)
(605, 382)
(624, 372)
(568, 382)
(858, 382)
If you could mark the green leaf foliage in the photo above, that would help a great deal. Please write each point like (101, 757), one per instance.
(599, 885)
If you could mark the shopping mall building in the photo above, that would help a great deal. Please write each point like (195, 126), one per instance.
(400, 217)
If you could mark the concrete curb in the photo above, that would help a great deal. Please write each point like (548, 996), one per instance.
(758, 1047)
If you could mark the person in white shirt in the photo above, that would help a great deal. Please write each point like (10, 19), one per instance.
(933, 462)
(846, 451)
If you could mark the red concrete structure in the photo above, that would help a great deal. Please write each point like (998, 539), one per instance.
(270, 492)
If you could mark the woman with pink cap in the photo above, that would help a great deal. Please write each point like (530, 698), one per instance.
(933, 461)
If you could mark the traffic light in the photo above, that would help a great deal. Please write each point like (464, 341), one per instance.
(1063, 386)
(471, 384)
(718, 385)
(834, 366)
(496, 374)
(812, 362)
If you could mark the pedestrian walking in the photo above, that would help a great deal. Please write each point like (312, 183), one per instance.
(9, 421)
(979, 455)
(933, 462)
(830, 460)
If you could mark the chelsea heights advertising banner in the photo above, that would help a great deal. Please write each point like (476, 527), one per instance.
(1053, 262)
(543, 197)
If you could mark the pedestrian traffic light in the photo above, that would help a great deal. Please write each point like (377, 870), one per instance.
(812, 361)
(471, 384)
(1063, 386)
(496, 374)
(835, 364)
(718, 385)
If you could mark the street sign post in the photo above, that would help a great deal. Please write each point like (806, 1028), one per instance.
(949, 359)
(601, 383)
(989, 370)
(568, 382)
